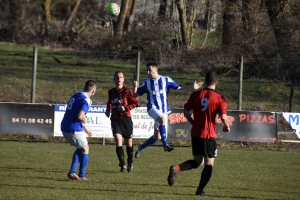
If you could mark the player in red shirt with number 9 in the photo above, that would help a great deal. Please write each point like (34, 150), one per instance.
(206, 105)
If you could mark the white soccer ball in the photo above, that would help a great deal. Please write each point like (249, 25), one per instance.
(113, 9)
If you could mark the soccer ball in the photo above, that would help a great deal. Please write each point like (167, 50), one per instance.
(113, 9)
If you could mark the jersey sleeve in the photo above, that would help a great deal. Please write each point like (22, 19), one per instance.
(108, 104)
(223, 105)
(189, 105)
(171, 83)
(85, 106)
(132, 102)
(143, 88)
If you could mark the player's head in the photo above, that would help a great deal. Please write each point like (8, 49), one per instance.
(211, 79)
(119, 79)
(152, 70)
(90, 87)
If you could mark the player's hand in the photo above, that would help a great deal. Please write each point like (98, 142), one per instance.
(135, 84)
(197, 85)
(89, 133)
(107, 113)
(226, 129)
(121, 108)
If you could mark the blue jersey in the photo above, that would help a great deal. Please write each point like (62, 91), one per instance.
(71, 123)
(157, 92)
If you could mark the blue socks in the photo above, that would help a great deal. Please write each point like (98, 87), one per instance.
(84, 159)
(151, 140)
(75, 160)
(163, 134)
(148, 142)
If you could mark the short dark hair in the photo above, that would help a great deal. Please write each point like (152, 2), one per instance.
(151, 64)
(89, 85)
(210, 78)
(116, 73)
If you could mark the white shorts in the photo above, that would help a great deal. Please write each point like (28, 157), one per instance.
(154, 113)
(78, 139)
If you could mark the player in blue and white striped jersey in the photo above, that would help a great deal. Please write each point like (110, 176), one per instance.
(157, 88)
(74, 129)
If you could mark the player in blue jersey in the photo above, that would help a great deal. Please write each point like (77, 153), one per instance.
(74, 129)
(157, 88)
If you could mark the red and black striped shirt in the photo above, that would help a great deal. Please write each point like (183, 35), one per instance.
(121, 97)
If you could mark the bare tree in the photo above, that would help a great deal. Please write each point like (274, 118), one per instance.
(162, 11)
(72, 15)
(231, 23)
(127, 9)
(280, 18)
(47, 15)
(183, 22)
(285, 29)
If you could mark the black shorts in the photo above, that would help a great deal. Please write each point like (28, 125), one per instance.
(204, 147)
(122, 126)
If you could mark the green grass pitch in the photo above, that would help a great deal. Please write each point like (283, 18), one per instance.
(38, 170)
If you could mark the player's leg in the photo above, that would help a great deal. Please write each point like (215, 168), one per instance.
(162, 119)
(75, 158)
(119, 151)
(129, 150)
(150, 141)
(117, 133)
(209, 158)
(82, 144)
(197, 150)
(127, 128)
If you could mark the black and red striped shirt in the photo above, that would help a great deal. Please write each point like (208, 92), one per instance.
(121, 97)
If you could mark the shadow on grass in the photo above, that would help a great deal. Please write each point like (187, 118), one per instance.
(28, 169)
(127, 191)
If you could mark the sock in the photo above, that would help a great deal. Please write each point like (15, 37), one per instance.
(188, 165)
(163, 134)
(83, 164)
(120, 154)
(148, 142)
(129, 154)
(205, 176)
(75, 160)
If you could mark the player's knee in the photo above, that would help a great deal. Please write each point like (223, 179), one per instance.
(160, 119)
(195, 164)
(85, 149)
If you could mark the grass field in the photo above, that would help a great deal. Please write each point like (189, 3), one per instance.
(36, 170)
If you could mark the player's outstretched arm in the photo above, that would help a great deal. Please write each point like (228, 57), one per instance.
(196, 86)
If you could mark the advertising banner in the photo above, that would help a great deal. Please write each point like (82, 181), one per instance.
(143, 124)
(294, 120)
(27, 119)
(246, 126)
(97, 121)
(100, 125)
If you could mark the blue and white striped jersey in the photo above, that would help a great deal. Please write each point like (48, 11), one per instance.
(71, 123)
(157, 92)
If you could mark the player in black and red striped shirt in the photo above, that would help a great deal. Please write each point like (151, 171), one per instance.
(120, 102)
